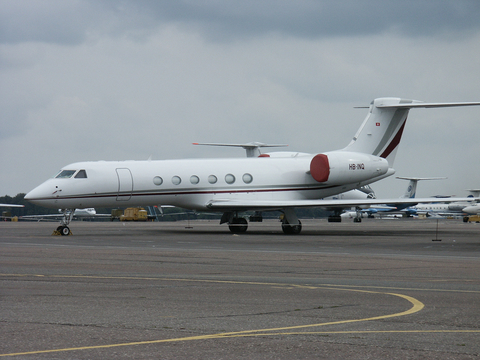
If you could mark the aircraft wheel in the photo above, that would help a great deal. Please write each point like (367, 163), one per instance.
(292, 229)
(238, 225)
(357, 220)
(63, 230)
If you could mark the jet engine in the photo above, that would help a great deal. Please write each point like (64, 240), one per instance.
(340, 167)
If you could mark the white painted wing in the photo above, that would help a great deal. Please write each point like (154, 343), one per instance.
(229, 204)
(11, 205)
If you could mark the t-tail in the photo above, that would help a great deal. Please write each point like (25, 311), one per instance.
(412, 185)
(382, 129)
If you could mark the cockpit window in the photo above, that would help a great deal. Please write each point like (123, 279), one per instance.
(65, 174)
(82, 174)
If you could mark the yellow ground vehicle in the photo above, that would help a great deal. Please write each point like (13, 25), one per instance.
(134, 214)
(472, 218)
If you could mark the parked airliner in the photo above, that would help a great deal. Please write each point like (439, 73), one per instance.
(272, 181)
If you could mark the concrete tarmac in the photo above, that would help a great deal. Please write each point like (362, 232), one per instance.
(193, 290)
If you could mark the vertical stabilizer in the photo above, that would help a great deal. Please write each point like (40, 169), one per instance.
(382, 129)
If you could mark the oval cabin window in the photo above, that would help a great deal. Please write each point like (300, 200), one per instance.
(212, 179)
(247, 178)
(157, 180)
(176, 180)
(194, 179)
(229, 179)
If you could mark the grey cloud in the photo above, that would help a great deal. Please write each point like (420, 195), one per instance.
(69, 22)
(54, 21)
(313, 19)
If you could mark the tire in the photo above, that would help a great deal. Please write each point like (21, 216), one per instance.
(238, 225)
(64, 230)
(292, 229)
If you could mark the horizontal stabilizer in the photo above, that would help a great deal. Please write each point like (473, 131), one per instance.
(419, 178)
(252, 148)
(419, 104)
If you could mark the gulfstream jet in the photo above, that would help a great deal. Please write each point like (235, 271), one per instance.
(271, 181)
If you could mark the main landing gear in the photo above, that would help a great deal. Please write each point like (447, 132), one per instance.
(63, 229)
(236, 224)
(291, 225)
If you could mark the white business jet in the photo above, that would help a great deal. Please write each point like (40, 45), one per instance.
(273, 181)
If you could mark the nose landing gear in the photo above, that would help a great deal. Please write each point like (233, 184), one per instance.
(63, 229)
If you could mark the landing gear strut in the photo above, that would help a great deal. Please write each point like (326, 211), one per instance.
(358, 217)
(63, 229)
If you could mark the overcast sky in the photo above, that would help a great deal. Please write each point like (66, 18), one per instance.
(128, 80)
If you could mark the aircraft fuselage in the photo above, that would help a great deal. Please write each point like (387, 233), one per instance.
(192, 183)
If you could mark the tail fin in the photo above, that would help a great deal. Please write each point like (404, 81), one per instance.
(382, 129)
(475, 192)
(412, 185)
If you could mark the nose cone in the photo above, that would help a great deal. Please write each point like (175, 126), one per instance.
(475, 209)
(42, 195)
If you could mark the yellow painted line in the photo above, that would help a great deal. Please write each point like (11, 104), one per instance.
(417, 306)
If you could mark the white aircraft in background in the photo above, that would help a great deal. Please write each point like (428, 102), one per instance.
(77, 213)
(472, 209)
(454, 208)
(440, 209)
(3, 215)
(410, 193)
(274, 181)
(11, 205)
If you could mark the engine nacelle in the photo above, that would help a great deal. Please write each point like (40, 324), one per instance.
(341, 167)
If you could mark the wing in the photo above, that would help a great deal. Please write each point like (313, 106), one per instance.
(229, 204)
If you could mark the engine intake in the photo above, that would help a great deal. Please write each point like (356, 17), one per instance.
(340, 167)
